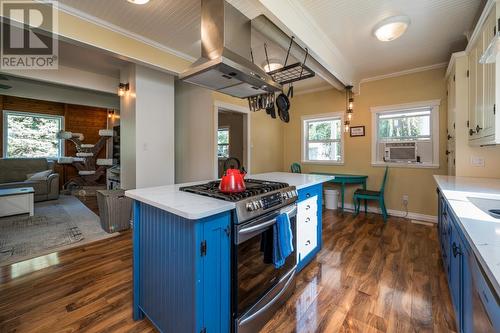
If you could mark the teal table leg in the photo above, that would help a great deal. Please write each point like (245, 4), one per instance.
(342, 189)
(364, 188)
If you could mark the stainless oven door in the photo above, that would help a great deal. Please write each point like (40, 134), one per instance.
(260, 288)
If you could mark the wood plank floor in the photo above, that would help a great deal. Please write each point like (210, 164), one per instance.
(367, 278)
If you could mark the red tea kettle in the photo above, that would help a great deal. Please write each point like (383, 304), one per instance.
(232, 181)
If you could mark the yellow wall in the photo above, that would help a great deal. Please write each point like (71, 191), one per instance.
(267, 143)
(266, 137)
(417, 183)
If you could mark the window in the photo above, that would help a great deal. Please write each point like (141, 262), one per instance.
(31, 135)
(406, 134)
(322, 139)
(223, 142)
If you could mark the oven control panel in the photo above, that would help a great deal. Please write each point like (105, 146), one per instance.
(265, 202)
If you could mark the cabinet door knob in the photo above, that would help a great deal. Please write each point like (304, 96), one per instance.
(456, 250)
(308, 195)
(449, 137)
(308, 242)
(478, 129)
(308, 206)
(471, 132)
(448, 152)
(308, 219)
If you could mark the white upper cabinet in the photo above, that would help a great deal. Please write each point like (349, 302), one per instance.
(489, 107)
(483, 121)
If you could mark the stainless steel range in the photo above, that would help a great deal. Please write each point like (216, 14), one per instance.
(258, 287)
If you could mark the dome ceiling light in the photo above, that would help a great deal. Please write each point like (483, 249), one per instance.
(391, 28)
(272, 65)
(138, 2)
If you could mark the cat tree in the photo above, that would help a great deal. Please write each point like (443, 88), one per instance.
(90, 168)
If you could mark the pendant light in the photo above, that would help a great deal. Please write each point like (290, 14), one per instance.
(349, 104)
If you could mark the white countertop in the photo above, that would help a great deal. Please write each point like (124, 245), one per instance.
(193, 206)
(481, 229)
(299, 180)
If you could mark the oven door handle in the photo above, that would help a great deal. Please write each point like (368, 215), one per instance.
(257, 227)
(290, 276)
(292, 212)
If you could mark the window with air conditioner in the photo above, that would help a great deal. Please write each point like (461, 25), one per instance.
(406, 135)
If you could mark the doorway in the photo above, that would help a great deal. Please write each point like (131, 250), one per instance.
(232, 141)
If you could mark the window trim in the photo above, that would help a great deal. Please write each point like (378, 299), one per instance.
(319, 117)
(434, 123)
(5, 113)
(228, 128)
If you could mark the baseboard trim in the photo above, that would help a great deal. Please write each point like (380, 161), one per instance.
(396, 213)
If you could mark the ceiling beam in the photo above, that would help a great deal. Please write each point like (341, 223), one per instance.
(292, 18)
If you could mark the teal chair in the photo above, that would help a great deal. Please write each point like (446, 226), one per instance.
(295, 168)
(371, 195)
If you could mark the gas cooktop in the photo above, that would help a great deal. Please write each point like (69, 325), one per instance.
(254, 187)
(260, 197)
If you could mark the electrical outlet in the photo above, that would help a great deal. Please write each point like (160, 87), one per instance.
(477, 161)
(404, 199)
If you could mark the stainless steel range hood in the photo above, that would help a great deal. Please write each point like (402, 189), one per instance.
(225, 64)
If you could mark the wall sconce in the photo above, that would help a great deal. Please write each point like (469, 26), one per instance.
(347, 123)
(111, 114)
(123, 89)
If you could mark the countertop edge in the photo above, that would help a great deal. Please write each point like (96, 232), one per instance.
(181, 213)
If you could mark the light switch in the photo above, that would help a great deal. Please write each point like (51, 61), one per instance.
(477, 161)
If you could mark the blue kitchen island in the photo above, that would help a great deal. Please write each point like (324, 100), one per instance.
(182, 252)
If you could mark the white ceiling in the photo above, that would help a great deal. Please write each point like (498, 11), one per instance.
(435, 26)
(348, 24)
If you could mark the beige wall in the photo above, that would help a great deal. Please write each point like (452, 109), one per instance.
(417, 183)
(195, 134)
(147, 128)
(234, 122)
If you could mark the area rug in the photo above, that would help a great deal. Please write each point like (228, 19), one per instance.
(56, 225)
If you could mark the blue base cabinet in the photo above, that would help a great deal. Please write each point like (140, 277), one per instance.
(309, 215)
(476, 306)
(173, 254)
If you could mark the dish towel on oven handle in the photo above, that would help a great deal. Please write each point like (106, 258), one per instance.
(283, 240)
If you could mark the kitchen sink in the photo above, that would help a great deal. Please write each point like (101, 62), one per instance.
(495, 213)
(489, 206)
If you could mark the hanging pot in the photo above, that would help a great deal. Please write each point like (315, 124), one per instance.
(283, 103)
(271, 109)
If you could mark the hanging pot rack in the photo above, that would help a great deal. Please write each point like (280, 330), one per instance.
(291, 73)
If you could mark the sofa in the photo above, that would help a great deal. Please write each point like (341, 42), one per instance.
(14, 173)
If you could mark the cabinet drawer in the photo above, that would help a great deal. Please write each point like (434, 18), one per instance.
(309, 205)
(307, 240)
(307, 226)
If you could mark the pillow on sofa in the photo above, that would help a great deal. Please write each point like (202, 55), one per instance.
(42, 175)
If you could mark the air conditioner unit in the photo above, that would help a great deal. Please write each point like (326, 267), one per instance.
(400, 152)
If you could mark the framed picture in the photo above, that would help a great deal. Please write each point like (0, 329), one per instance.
(357, 131)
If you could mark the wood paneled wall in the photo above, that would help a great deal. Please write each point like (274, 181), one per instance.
(87, 120)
